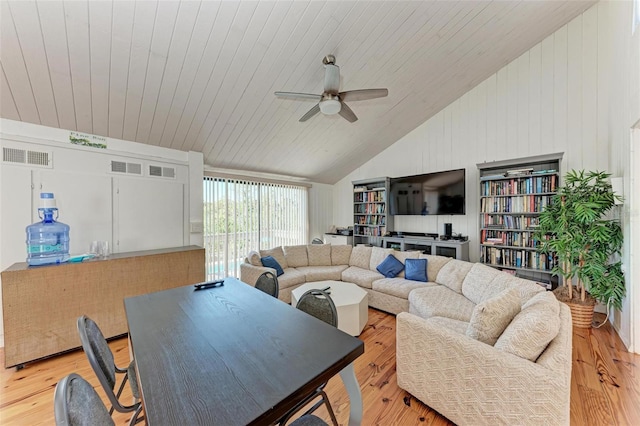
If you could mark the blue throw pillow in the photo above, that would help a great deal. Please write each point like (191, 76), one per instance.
(416, 270)
(390, 267)
(270, 262)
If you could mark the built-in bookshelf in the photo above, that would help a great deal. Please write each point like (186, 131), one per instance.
(371, 219)
(512, 196)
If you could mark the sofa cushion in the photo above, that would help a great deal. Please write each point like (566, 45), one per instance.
(360, 256)
(402, 256)
(254, 258)
(390, 266)
(362, 277)
(434, 264)
(440, 301)
(490, 317)
(319, 254)
(458, 326)
(416, 269)
(399, 287)
(340, 254)
(526, 288)
(378, 254)
(296, 256)
(452, 274)
(277, 254)
(270, 262)
(478, 282)
(322, 273)
(290, 278)
(533, 328)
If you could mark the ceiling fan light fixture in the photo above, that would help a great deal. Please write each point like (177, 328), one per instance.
(330, 106)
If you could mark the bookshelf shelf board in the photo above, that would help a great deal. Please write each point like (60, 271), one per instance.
(508, 229)
(544, 271)
(512, 213)
(368, 202)
(368, 226)
(369, 214)
(508, 247)
(518, 195)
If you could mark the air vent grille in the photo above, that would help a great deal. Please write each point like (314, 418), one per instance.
(159, 171)
(124, 167)
(155, 171)
(169, 172)
(12, 155)
(22, 156)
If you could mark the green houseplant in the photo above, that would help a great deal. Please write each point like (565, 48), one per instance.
(586, 242)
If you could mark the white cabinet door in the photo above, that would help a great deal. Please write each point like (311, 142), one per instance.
(84, 203)
(149, 214)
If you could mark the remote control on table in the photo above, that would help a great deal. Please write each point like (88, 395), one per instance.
(208, 284)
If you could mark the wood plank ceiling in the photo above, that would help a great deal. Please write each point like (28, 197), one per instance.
(200, 75)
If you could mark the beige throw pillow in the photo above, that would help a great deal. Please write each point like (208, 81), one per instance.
(277, 254)
(340, 254)
(491, 317)
(360, 256)
(254, 258)
(296, 256)
(319, 254)
(533, 328)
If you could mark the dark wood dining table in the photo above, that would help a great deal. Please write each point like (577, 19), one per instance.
(232, 355)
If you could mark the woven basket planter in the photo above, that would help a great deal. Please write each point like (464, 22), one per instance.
(581, 315)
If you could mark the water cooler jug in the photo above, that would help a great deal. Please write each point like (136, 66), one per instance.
(47, 241)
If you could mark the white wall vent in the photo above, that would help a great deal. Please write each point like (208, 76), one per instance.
(158, 171)
(124, 167)
(26, 157)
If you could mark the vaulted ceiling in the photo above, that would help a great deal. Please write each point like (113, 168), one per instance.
(200, 75)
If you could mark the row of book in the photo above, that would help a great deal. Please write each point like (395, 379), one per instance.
(509, 221)
(369, 231)
(517, 258)
(370, 220)
(369, 197)
(508, 238)
(515, 186)
(376, 208)
(515, 204)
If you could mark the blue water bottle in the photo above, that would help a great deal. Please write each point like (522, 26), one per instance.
(47, 241)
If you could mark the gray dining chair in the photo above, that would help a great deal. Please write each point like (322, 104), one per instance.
(319, 304)
(103, 364)
(309, 420)
(76, 403)
(268, 282)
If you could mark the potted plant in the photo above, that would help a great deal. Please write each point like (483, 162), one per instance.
(587, 243)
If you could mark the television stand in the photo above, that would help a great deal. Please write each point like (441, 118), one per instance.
(428, 245)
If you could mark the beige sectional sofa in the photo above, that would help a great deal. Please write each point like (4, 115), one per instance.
(478, 345)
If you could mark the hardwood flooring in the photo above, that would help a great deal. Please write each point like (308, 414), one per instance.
(605, 383)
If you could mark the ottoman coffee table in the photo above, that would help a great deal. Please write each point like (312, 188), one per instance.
(351, 303)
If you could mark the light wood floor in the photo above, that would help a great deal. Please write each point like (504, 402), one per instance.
(605, 385)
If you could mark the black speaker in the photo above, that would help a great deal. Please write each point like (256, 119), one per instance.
(447, 230)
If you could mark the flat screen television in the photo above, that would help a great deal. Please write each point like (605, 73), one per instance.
(428, 194)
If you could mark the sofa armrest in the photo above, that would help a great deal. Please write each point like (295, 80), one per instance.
(470, 382)
(249, 273)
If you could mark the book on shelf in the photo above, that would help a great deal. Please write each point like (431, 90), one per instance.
(518, 172)
(358, 189)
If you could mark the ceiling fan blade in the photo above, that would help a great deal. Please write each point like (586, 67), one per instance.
(363, 94)
(347, 114)
(313, 111)
(331, 79)
(299, 96)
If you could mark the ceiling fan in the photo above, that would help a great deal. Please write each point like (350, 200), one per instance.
(331, 101)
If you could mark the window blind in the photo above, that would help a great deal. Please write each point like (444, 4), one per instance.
(242, 215)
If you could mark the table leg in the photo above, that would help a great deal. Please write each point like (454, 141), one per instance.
(348, 376)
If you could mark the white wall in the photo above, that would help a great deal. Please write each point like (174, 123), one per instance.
(131, 212)
(570, 93)
(320, 209)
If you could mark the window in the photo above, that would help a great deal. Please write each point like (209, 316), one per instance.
(242, 215)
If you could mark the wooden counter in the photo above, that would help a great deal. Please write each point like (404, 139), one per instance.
(41, 304)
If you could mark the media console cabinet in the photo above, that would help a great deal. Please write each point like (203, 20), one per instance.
(41, 304)
(450, 248)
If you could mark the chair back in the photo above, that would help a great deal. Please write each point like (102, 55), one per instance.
(76, 403)
(98, 351)
(268, 283)
(319, 304)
